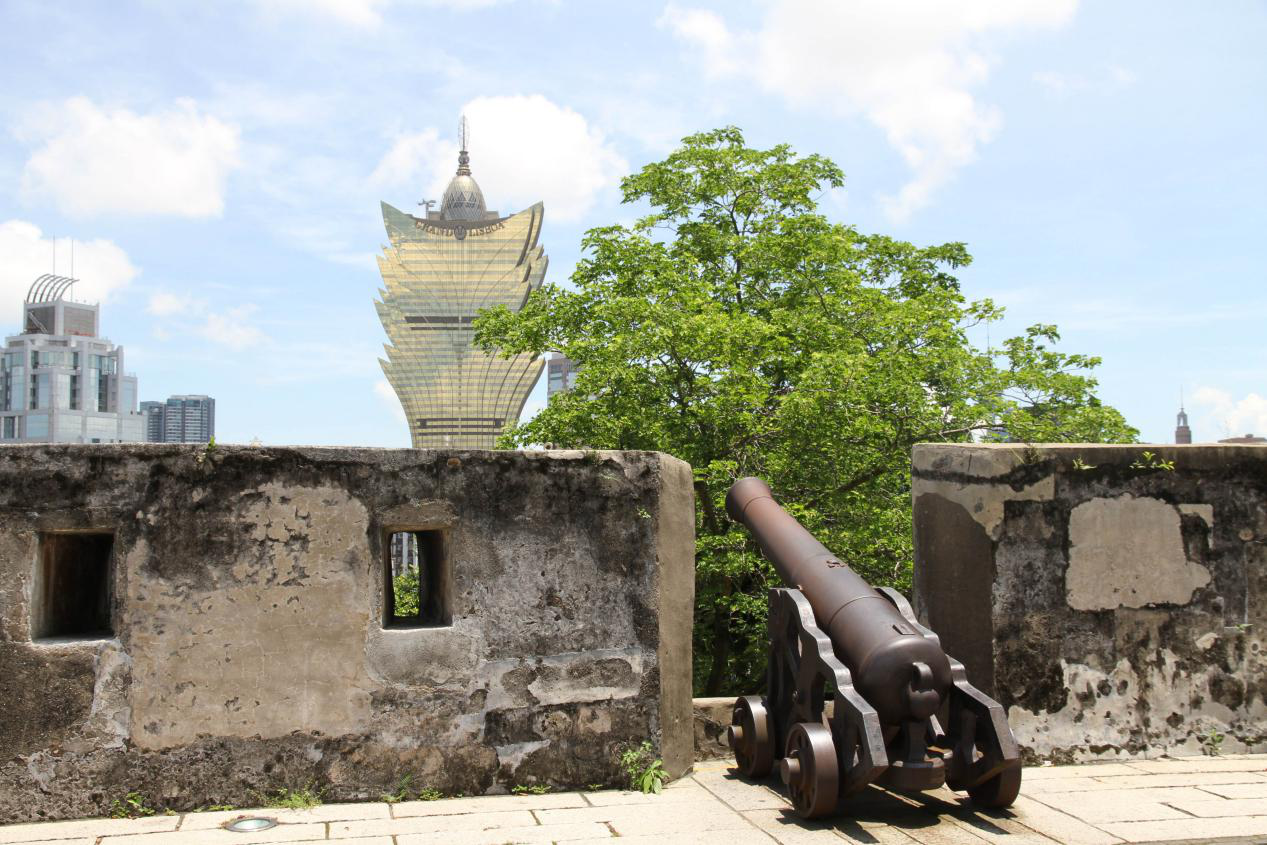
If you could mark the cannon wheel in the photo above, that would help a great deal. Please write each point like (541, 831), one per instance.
(999, 791)
(750, 736)
(810, 771)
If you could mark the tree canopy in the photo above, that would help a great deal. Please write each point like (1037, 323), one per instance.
(739, 329)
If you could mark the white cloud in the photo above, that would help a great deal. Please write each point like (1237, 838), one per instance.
(165, 304)
(413, 157)
(570, 161)
(362, 14)
(101, 265)
(95, 160)
(709, 33)
(910, 68)
(232, 328)
(385, 392)
(1223, 415)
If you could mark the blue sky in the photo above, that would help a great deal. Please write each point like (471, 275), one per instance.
(219, 166)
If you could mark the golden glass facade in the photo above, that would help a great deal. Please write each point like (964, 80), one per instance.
(438, 272)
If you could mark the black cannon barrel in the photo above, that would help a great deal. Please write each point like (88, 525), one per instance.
(903, 675)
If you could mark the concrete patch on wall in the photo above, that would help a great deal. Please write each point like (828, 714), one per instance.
(984, 501)
(562, 678)
(1128, 552)
(243, 659)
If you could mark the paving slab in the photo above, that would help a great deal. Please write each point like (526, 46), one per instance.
(220, 836)
(323, 813)
(1124, 805)
(1218, 807)
(1160, 779)
(478, 820)
(1092, 770)
(489, 803)
(1201, 830)
(534, 834)
(42, 831)
(1060, 826)
(1234, 790)
(1182, 801)
(1200, 764)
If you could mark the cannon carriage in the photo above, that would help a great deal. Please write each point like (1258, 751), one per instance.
(902, 712)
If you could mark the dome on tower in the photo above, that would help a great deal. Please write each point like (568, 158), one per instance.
(463, 199)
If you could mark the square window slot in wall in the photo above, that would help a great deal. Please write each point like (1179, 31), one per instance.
(416, 580)
(73, 587)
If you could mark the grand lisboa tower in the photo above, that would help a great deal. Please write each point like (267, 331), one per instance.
(438, 272)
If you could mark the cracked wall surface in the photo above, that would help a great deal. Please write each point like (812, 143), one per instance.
(249, 652)
(1112, 602)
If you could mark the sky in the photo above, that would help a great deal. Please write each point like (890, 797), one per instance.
(219, 167)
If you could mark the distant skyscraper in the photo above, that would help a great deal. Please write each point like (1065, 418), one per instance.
(152, 413)
(181, 419)
(59, 381)
(560, 375)
(438, 272)
(1183, 434)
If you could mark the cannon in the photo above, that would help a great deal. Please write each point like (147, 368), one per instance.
(902, 714)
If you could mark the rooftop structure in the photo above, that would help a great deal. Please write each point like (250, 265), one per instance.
(438, 272)
(60, 382)
(1247, 439)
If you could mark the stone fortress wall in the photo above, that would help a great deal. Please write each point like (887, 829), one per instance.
(209, 624)
(1113, 601)
(203, 625)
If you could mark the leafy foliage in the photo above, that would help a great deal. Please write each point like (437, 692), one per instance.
(405, 592)
(293, 799)
(132, 806)
(737, 328)
(645, 771)
(401, 792)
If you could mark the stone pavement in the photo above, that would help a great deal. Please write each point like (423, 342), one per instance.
(1192, 800)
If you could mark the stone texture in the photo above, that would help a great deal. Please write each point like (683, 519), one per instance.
(249, 652)
(1114, 603)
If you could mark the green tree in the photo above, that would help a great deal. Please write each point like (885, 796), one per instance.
(739, 329)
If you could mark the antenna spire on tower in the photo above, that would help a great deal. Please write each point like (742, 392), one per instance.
(464, 159)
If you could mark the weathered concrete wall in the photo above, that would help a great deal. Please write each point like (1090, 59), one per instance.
(249, 651)
(1114, 605)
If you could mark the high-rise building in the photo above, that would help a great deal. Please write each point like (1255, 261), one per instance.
(560, 375)
(152, 413)
(438, 272)
(1183, 434)
(181, 419)
(60, 381)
